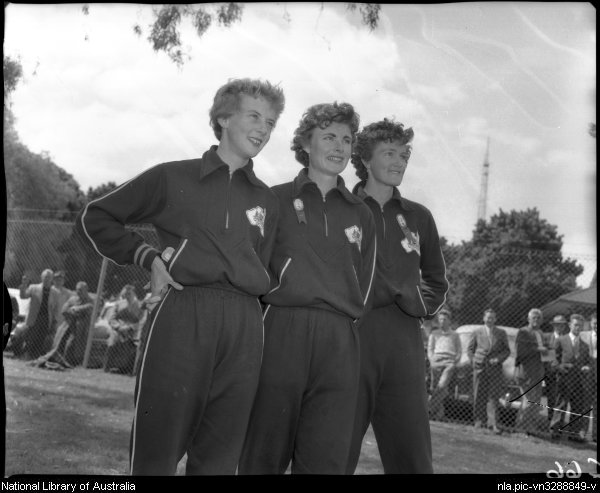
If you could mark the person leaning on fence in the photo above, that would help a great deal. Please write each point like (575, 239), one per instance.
(216, 223)
(551, 374)
(529, 372)
(410, 284)
(324, 258)
(444, 352)
(488, 349)
(34, 339)
(590, 337)
(573, 355)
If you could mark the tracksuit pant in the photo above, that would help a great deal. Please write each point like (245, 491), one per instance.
(304, 406)
(392, 393)
(197, 382)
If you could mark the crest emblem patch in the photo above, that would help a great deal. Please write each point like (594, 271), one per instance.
(354, 235)
(411, 241)
(256, 217)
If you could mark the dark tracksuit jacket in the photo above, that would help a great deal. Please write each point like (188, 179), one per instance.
(323, 262)
(410, 284)
(202, 358)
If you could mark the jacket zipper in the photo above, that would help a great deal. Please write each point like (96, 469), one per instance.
(227, 201)
(325, 216)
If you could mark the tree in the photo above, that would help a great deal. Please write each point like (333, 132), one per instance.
(512, 263)
(36, 188)
(165, 35)
(100, 190)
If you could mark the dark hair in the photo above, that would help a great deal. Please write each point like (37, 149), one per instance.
(322, 115)
(382, 131)
(227, 99)
(576, 316)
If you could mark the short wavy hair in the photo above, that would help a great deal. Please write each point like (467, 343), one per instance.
(322, 115)
(382, 131)
(227, 99)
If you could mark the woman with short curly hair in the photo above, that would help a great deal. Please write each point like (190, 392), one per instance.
(323, 261)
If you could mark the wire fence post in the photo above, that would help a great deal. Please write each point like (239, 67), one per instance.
(99, 291)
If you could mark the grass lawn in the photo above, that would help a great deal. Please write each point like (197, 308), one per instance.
(78, 422)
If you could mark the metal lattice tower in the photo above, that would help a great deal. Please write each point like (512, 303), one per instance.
(483, 192)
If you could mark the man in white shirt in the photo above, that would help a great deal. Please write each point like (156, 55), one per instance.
(573, 356)
(551, 374)
(444, 351)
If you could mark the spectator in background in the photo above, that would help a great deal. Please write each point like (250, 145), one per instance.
(487, 350)
(590, 337)
(125, 327)
(551, 374)
(71, 336)
(573, 355)
(64, 294)
(444, 352)
(33, 339)
(529, 371)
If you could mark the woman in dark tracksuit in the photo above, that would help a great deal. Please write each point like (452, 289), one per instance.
(324, 264)
(216, 222)
(410, 284)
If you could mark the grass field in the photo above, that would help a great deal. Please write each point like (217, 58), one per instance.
(78, 422)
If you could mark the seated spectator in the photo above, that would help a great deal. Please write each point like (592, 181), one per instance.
(71, 336)
(444, 352)
(125, 326)
(58, 283)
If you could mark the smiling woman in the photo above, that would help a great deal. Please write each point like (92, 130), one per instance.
(324, 255)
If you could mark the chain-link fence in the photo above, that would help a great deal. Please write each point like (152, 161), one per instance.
(107, 331)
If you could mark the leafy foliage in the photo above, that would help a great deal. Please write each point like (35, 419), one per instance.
(512, 264)
(100, 190)
(165, 30)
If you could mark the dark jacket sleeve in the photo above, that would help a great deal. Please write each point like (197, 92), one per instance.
(504, 350)
(434, 284)
(102, 222)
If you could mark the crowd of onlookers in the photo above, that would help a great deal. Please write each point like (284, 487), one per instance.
(559, 364)
(55, 331)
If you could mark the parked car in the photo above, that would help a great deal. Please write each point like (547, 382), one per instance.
(23, 305)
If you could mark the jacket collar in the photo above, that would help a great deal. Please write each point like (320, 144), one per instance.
(211, 162)
(302, 180)
(359, 191)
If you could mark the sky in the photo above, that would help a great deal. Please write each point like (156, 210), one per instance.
(105, 106)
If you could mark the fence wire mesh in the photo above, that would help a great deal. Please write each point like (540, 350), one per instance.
(516, 281)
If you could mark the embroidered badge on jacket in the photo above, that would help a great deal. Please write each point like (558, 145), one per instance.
(354, 234)
(256, 216)
(411, 242)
